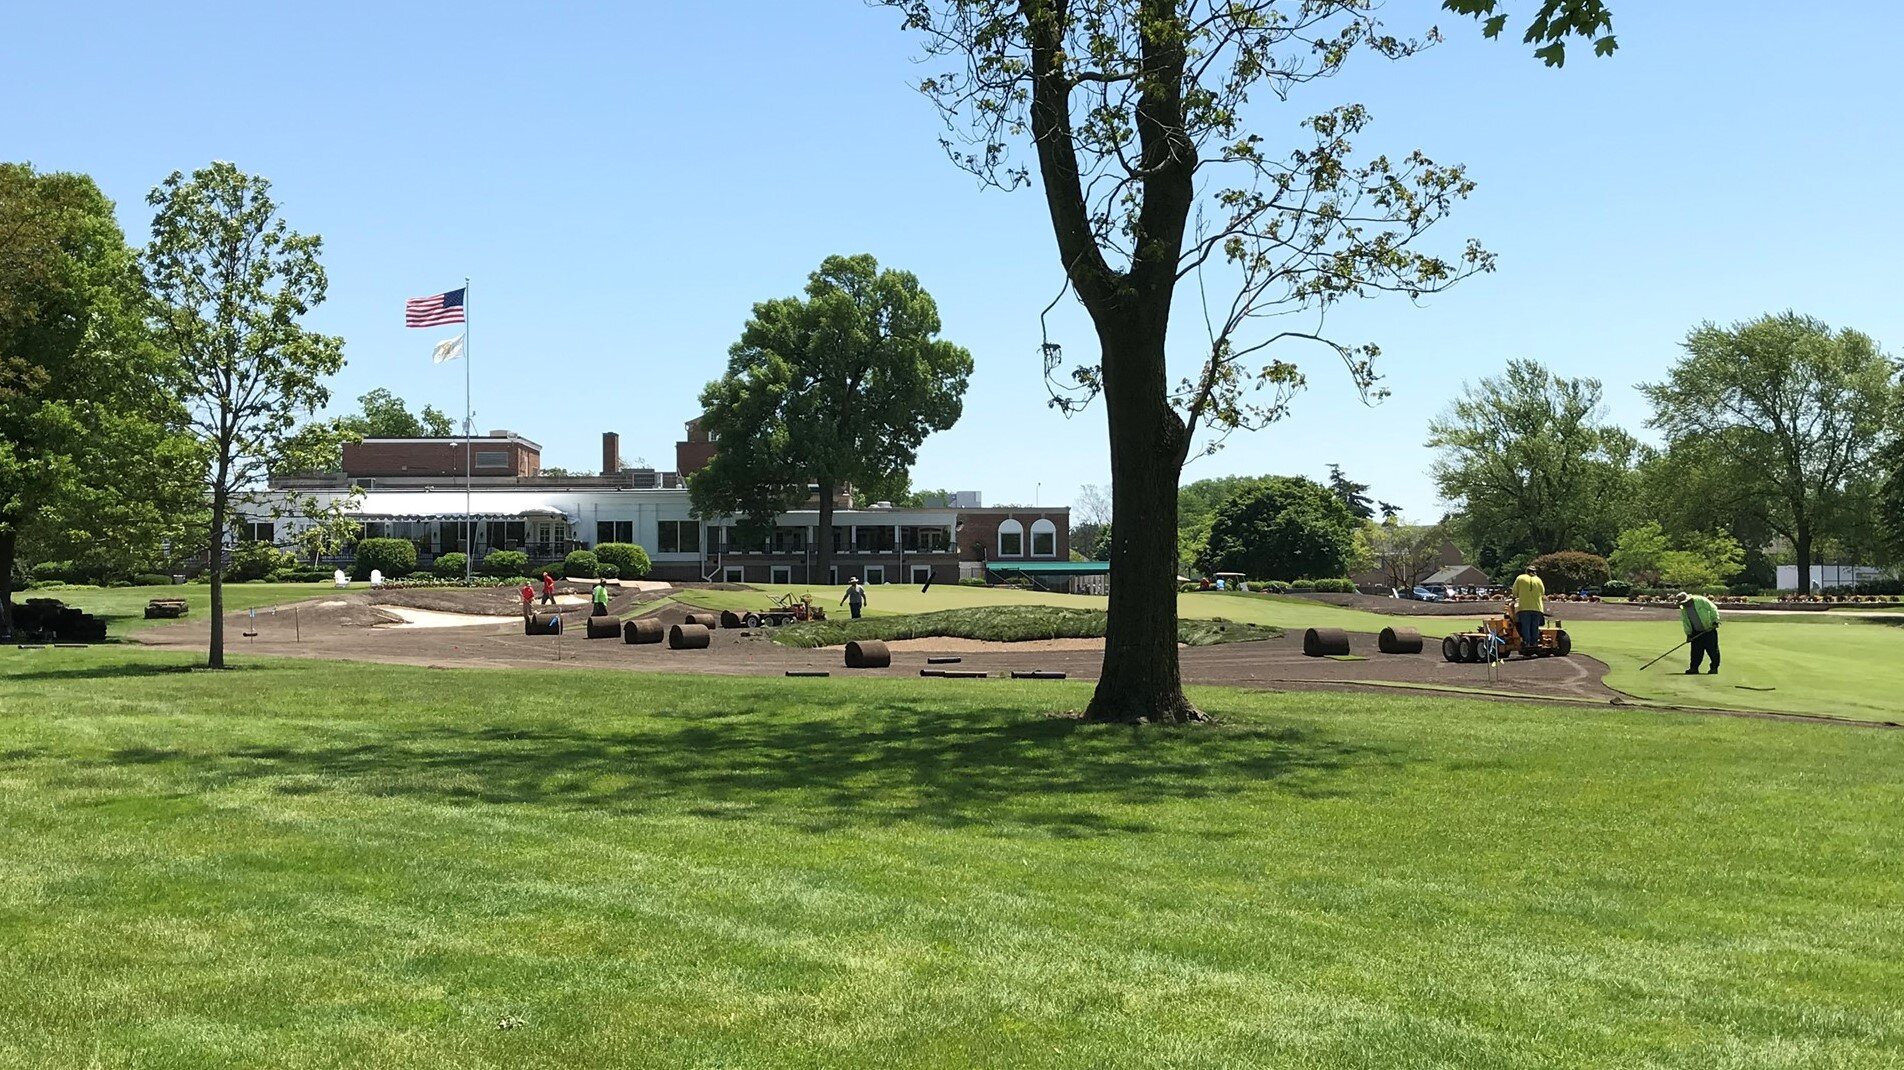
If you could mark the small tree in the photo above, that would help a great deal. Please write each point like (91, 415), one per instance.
(1406, 553)
(1797, 407)
(1353, 494)
(1570, 570)
(839, 387)
(233, 281)
(1281, 528)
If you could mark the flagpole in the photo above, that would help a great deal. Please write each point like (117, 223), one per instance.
(469, 547)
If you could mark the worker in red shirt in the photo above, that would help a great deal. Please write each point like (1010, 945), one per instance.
(528, 600)
(548, 589)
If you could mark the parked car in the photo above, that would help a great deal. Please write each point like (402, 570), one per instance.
(1428, 592)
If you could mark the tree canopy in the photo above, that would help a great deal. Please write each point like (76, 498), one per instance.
(1783, 410)
(318, 446)
(93, 467)
(1281, 528)
(233, 280)
(835, 388)
(1532, 465)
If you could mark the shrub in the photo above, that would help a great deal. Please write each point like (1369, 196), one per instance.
(151, 579)
(606, 571)
(1335, 586)
(1303, 585)
(53, 572)
(1570, 570)
(1617, 589)
(1276, 586)
(632, 560)
(580, 565)
(500, 563)
(553, 568)
(450, 565)
(1746, 590)
(392, 557)
(256, 561)
(974, 581)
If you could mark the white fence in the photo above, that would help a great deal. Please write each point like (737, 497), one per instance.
(1828, 576)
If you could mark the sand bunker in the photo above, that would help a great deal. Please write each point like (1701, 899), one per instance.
(430, 618)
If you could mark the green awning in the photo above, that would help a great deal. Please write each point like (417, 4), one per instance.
(1050, 568)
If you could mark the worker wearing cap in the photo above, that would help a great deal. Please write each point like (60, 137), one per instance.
(1700, 618)
(855, 597)
(1530, 605)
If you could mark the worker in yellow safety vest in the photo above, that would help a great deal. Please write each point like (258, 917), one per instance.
(1700, 619)
(1530, 606)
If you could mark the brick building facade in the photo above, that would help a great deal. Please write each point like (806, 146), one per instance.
(502, 453)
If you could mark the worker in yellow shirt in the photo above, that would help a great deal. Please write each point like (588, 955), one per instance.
(1530, 604)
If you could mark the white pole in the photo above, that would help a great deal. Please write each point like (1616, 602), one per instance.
(469, 517)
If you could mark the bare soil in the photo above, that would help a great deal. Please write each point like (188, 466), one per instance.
(354, 628)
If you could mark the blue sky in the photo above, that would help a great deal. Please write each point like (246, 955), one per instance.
(622, 182)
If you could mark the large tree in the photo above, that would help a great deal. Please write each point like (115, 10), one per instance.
(93, 467)
(1281, 528)
(1406, 554)
(1532, 465)
(829, 390)
(1141, 113)
(234, 281)
(1796, 409)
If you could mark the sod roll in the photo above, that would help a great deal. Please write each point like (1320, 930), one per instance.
(808, 672)
(867, 654)
(644, 630)
(688, 637)
(1399, 641)
(731, 619)
(705, 620)
(603, 627)
(1036, 674)
(1323, 642)
(542, 624)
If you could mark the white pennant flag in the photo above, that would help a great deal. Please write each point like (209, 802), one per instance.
(448, 349)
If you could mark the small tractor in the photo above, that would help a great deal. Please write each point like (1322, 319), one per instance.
(1497, 637)
(787, 609)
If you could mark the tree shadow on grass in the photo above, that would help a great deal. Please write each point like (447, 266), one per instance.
(119, 670)
(889, 763)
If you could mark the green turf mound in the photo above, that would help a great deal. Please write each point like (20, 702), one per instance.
(1003, 624)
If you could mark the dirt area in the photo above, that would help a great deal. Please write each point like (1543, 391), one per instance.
(1405, 607)
(453, 627)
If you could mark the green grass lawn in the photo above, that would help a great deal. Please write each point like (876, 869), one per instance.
(124, 607)
(317, 865)
(1001, 624)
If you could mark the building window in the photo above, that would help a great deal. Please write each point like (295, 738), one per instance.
(492, 458)
(507, 534)
(1044, 539)
(780, 574)
(925, 540)
(735, 574)
(789, 540)
(842, 539)
(873, 539)
(614, 531)
(1011, 539)
(678, 537)
(875, 573)
(259, 531)
(922, 574)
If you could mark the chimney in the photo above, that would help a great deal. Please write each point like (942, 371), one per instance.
(611, 453)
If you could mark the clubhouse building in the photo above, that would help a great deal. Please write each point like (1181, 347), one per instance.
(413, 488)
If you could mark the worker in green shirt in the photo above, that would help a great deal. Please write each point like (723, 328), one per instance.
(601, 599)
(1700, 618)
(1530, 604)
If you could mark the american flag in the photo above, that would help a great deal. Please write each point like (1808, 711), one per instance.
(434, 311)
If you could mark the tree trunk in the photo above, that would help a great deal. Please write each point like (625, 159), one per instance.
(9, 545)
(1140, 677)
(824, 552)
(1801, 545)
(215, 564)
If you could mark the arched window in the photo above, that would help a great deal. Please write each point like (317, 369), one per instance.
(1044, 539)
(1011, 539)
